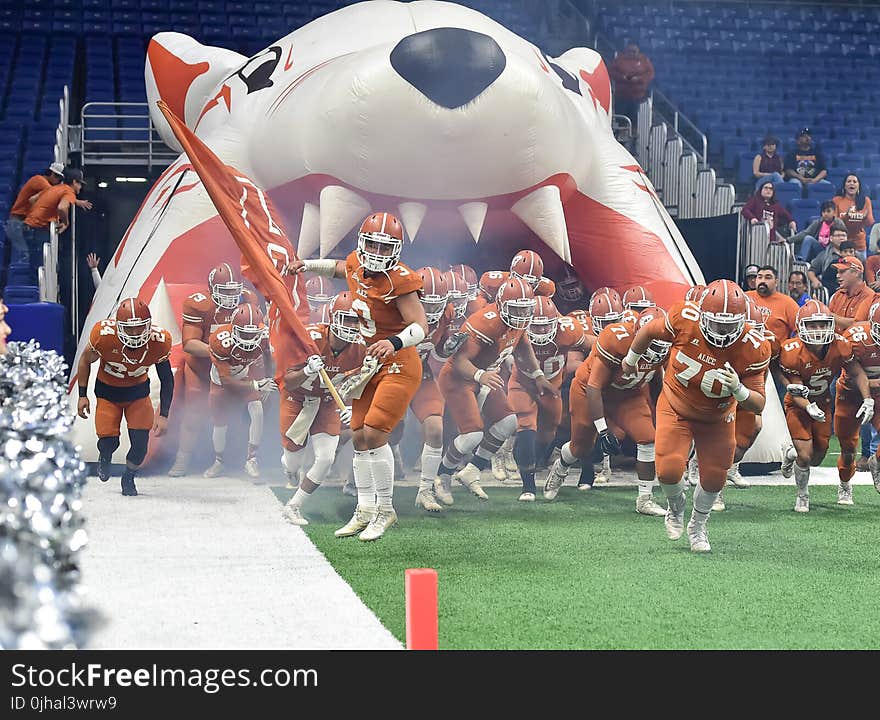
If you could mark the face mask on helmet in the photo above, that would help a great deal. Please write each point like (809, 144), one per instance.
(721, 329)
(817, 330)
(134, 333)
(517, 314)
(434, 306)
(542, 330)
(378, 251)
(345, 325)
(602, 321)
(531, 280)
(657, 351)
(247, 337)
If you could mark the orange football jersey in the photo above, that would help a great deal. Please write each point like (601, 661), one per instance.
(690, 383)
(611, 347)
(493, 279)
(800, 366)
(337, 365)
(375, 295)
(491, 341)
(201, 317)
(866, 351)
(122, 366)
(229, 360)
(551, 357)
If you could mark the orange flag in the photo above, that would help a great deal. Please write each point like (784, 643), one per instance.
(265, 249)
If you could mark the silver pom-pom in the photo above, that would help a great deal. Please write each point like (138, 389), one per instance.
(41, 525)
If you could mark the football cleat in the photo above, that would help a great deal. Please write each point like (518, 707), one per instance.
(526, 497)
(555, 480)
(443, 490)
(645, 505)
(693, 471)
(359, 520)
(293, 515)
(499, 472)
(674, 521)
(425, 499)
(252, 468)
(603, 474)
(718, 505)
(874, 467)
(734, 478)
(698, 536)
(802, 503)
(788, 459)
(583, 487)
(510, 464)
(103, 469)
(128, 487)
(382, 520)
(844, 494)
(216, 470)
(181, 463)
(469, 476)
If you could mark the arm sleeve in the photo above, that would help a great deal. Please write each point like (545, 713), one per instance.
(166, 387)
(96, 277)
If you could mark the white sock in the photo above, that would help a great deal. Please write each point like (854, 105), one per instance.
(431, 457)
(566, 455)
(733, 470)
(801, 478)
(218, 437)
(845, 485)
(381, 461)
(255, 431)
(298, 497)
(673, 492)
(703, 501)
(646, 487)
(363, 480)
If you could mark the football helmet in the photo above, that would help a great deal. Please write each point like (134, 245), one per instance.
(815, 323)
(248, 329)
(434, 294)
(516, 303)
(756, 315)
(319, 292)
(570, 288)
(606, 307)
(657, 351)
(874, 319)
(469, 275)
(695, 293)
(344, 322)
(527, 265)
(637, 299)
(722, 313)
(458, 292)
(380, 240)
(133, 323)
(545, 322)
(225, 287)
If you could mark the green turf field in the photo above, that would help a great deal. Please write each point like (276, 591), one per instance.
(587, 572)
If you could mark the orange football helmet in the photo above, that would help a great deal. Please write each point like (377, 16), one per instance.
(545, 322)
(319, 292)
(225, 286)
(380, 240)
(756, 315)
(434, 294)
(637, 299)
(516, 303)
(527, 265)
(458, 292)
(723, 310)
(133, 323)
(248, 329)
(344, 322)
(658, 349)
(815, 323)
(695, 293)
(606, 307)
(469, 275)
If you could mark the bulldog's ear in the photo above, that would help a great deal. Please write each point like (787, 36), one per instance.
(184, 73)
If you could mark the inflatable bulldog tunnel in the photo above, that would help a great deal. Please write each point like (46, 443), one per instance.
(475, 138)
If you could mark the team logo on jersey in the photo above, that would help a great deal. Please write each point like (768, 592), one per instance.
(694, 341)
(394, 369)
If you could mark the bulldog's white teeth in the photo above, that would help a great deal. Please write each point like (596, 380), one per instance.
(542, 212)
(412, 214)
(162, 311)
(309, 231)
(474, 215)
(341, 210)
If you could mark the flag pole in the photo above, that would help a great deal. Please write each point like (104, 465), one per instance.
(326, 378)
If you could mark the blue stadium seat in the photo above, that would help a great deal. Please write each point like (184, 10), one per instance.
(820, 192)
(20, 295)
(786, 192)
(802, 210)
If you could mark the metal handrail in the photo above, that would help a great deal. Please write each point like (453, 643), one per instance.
(131, 144)
(678, 118)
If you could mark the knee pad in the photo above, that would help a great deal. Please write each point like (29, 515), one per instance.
(324, 446)
(645, 452)
(468, 442)
(504, 428)
(255, 433)
(107, 445)
(524, 448)
(139, 440)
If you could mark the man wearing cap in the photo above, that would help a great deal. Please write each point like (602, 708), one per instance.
(852, 301)
(751, 277)
(23, 202)
(805, 164)
(767, 164)
(52, 205)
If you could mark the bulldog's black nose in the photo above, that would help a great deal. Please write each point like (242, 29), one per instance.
(450, 66)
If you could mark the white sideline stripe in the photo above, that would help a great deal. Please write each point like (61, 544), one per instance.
(200, 564)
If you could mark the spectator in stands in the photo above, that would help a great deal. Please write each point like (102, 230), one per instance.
(821, 272)
(632, 73)
(751, 277)
(782, 317)
(872, 272)
(763, 207)
(815, 237)
(854, 209)
(853, 300)
(5, 330)
(797, 287)
(23, 203)
(53, 205)
(805, 164)
(92, 261)
(768, 163)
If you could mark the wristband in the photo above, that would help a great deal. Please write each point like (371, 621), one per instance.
(632, 358)
(741, 393)
(324, 268)
(477, 375)
(396, 342)
(601, 425)
(83, 391)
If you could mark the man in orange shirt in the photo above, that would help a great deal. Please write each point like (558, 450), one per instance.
(852, 301)
(23, 201)
(782, 321)
(52, 205)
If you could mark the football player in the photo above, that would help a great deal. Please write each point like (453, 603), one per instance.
(393, 323)
(319, 293)
(526, 265)
(715, 364)
(553, 338)
(471, 381)
(308, 411)
(469, 275)
(607, 403)
(809, 363)
(637, 299)
(126, 347)
(202, 314)
(237, 378)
